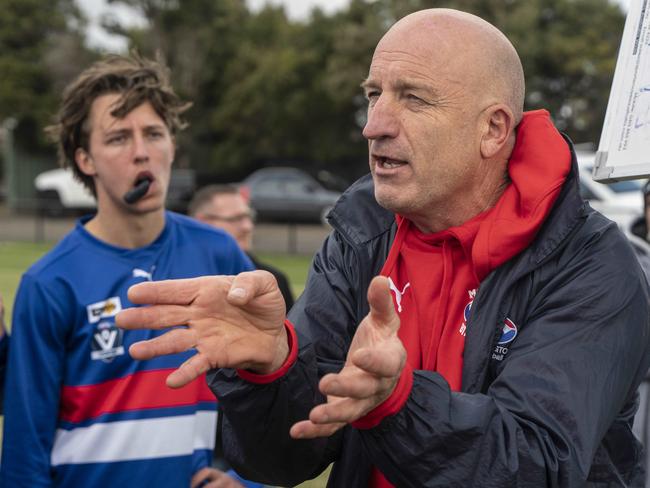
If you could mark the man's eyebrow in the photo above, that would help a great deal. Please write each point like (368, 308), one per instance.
(369, 83)
(404, 85)
(116, 130)
(156, 126)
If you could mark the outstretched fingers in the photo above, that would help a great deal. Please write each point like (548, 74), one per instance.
(172, 342)
(306, 429)
(171, 292)
(189, 371)
(386, 360)
(157, 317)
(350, 382)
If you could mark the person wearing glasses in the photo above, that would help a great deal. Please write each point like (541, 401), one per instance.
(224, 207)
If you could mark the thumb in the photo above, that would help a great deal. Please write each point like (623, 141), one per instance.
(382, 310)
(249, 284)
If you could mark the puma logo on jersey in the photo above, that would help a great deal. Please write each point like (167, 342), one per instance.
(398, 294)
(141, 273)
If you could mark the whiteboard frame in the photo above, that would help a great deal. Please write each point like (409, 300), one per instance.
(610, 164)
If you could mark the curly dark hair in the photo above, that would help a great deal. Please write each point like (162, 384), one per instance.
(136, 79)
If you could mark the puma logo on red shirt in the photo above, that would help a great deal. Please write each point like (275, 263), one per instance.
(398, 293)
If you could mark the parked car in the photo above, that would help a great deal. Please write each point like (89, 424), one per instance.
(621, 201)
(59, 193)
(288, 195)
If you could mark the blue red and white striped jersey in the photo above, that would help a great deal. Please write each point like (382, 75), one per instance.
(79, 411)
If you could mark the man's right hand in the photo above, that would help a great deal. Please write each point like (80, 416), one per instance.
(232, 321)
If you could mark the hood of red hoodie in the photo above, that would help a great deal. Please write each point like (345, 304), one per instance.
(538, 167)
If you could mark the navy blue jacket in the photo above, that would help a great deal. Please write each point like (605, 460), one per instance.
(555, 409)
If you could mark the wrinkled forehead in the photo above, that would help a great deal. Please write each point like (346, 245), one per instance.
(442, 45)
(427, 54)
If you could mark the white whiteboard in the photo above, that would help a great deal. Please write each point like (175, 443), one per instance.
(624, 149)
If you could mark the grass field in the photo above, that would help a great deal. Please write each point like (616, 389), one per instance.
(16, 257)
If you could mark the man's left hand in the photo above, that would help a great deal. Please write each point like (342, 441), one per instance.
(372, 368)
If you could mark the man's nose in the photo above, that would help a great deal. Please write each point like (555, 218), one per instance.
(383, 119)
(140, 151)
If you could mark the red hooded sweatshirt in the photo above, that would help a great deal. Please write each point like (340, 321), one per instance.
(434, 277)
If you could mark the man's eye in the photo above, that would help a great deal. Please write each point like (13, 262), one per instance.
(155, 135)
(413, 98)
(371, 95)
(116, 140)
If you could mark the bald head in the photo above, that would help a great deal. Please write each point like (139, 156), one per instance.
(474, 52)
(445, 93)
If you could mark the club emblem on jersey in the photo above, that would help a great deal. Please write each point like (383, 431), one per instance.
(398, 294)
(508, 333)
(104, 309)
(468, 308)
(107, 342)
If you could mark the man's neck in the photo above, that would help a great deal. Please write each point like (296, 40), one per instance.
(128, 231)
(444, 216)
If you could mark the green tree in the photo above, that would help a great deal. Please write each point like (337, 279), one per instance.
(41, 48)
(267, 89)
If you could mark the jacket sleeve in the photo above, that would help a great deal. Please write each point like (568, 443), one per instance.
(33, 383)
(257, 418)
(582, 349)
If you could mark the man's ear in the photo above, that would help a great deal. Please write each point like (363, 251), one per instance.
(499, 126)
(85, 162)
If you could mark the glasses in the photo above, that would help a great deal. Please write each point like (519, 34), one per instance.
(231, 219)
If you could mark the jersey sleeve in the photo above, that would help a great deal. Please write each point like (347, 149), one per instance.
(4, 352)
(33, 383)
(239, 262)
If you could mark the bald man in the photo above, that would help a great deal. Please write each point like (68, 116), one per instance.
(470, 321)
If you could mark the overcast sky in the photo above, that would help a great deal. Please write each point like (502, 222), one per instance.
(296, 9)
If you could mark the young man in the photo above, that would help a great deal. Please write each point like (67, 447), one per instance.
(224, 207)
(505, 339)
(79, 411)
